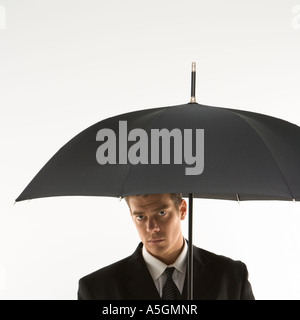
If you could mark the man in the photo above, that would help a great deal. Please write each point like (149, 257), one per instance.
(142, 275)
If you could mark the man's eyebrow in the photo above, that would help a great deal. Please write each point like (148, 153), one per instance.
(160, 208)
(137, 213)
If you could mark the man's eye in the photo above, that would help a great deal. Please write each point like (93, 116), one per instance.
(162, 213)
(140, 218)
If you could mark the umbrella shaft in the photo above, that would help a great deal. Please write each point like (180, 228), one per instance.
(193, 83)
(190, 251)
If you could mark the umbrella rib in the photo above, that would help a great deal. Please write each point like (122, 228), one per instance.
(266, 145)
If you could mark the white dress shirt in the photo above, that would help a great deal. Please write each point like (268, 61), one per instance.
(157, 268)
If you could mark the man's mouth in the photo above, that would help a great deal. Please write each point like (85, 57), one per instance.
(155, 241)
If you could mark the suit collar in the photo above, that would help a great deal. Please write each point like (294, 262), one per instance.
(141, 286)
(157, 267)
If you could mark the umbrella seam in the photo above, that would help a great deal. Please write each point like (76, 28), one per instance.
(150, 125)
(266, 145)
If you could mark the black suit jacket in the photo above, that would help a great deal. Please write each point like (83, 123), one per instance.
(215, 278)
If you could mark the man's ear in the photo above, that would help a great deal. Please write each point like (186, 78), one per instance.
(183, 209)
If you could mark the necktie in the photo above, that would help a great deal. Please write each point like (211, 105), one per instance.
(170, 290)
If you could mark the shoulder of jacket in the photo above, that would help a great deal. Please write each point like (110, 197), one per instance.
(208, 256)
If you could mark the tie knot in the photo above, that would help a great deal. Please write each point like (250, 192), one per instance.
(169, 272)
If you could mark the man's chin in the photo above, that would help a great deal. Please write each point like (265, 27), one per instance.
(157, 249)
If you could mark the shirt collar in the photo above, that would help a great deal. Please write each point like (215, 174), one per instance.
(157, 267)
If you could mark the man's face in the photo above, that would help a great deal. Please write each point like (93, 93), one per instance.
(158, 223)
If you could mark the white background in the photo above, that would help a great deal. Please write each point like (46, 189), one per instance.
(65, 65)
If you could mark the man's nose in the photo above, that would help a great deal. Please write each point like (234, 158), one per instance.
(152, 225)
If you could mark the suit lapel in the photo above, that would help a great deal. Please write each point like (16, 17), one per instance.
(138, 280)
(202, 276)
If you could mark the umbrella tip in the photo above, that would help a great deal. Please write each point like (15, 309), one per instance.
(193, 66)
(193, 84)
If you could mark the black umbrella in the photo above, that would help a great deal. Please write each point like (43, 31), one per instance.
(197, 150)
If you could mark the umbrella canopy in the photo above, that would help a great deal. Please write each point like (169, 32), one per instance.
(235, 155)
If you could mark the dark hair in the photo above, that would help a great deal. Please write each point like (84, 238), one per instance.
(176, 197)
